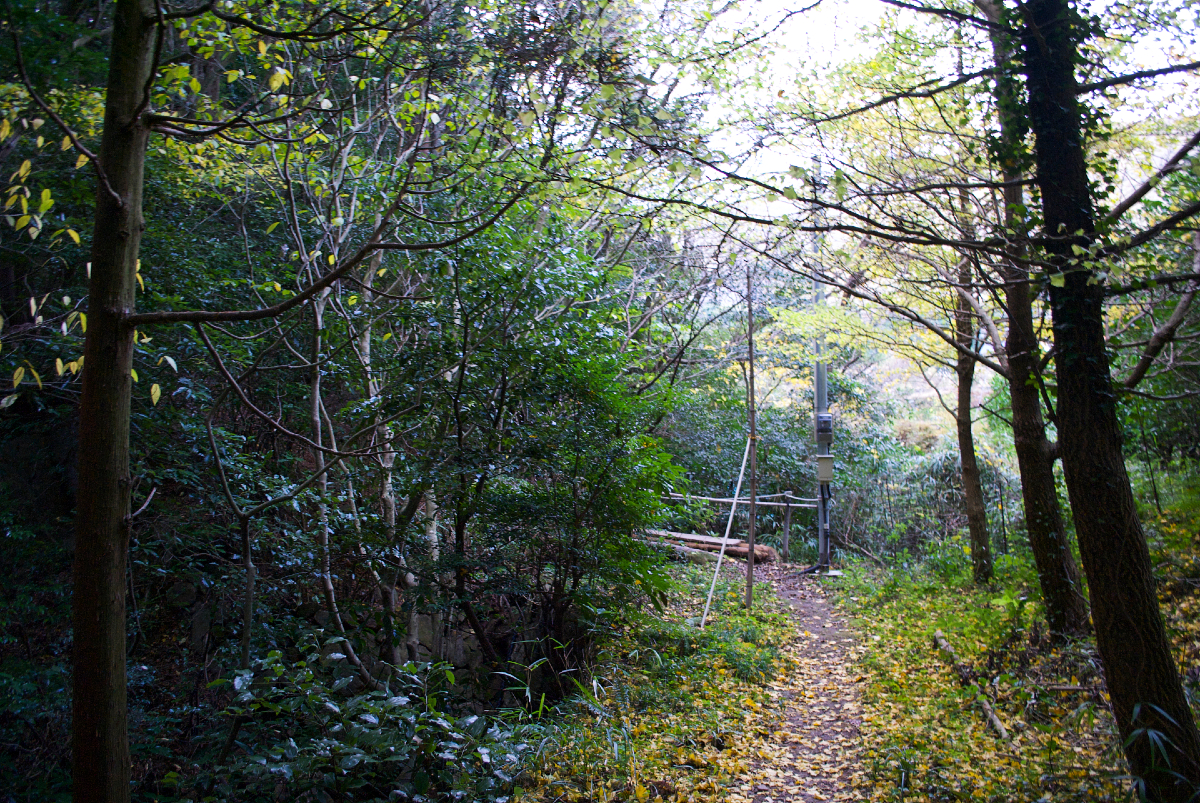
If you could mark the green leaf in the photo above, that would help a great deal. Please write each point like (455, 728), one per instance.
(1058, 279)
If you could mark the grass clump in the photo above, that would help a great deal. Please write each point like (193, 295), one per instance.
(670, 711)
(925, 733)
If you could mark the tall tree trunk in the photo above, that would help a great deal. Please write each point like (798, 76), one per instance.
(981, 547)
(435, 555)
(100, 746)
(1058, 576)
(1066, 608)
(966, 326)
(1143, 681)
(373, 385)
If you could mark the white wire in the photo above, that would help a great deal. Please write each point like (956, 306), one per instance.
(728, 526)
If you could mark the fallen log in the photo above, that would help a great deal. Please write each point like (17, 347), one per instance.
(762, 554)
(734, 548)
(964, 678)
(694, 538)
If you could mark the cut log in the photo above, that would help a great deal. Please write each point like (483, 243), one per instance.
(695, 538)
(734, 548)
(762, 553)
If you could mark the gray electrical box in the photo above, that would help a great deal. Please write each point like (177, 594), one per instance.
(824, 468)
(824, 428)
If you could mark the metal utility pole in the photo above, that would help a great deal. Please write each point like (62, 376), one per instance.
(822, 419)
(753, 441)
(824, 437)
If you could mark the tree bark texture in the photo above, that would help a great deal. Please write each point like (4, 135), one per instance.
(100, 747)
(1066, 608)
(981, 547)
(1140, 670)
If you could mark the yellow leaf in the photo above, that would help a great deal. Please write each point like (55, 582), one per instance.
(262, 48)
(1058, 280)
(271, 228)
(24, 169)
(74, 235)
(5, 129)
(332, 259)
(133, 373)
(36, 378)
(83, 321)
(58, 366)
(155, 394)
(18, 375)
(66, 143)
(81, 161)
(140, 282)
(276, 80)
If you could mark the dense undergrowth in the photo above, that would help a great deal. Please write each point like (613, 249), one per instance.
(672, 712)
(926, 732)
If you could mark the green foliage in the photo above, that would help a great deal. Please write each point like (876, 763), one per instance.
(925, 733)
(667, 706)
(313, 734)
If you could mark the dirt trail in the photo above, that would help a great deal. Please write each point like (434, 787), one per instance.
(814, 753)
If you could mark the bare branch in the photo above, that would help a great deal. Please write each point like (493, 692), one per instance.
(1171, 166)
(1166, 333)
(1135, 76)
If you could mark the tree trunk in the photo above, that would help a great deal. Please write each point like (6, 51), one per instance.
(1058, 576)
(964, 332)
(981, 547)
(1066, 608)
(100, 746)
(435, 555)
(1140, 670)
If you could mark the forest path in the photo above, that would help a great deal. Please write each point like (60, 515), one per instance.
(813, 755)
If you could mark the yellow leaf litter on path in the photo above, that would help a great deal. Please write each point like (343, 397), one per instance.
(813, 753)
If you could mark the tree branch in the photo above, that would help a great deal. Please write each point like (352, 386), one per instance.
(1134, 76)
